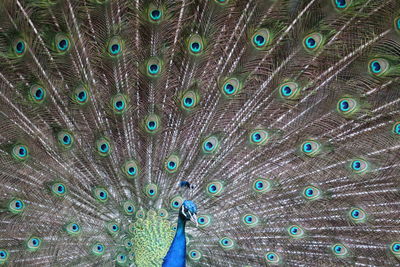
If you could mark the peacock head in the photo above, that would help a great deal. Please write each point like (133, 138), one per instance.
(188, 211)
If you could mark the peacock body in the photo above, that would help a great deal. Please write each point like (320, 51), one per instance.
(272, 125)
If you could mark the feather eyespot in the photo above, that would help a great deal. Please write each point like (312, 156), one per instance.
(341, 4)
(115, 46)
(155, 14)
(231, 87)
(113, 228)
(20, 152)
(357, 215)
(65, 139)
(397, 24)
(310, 148)
(151, 190)
(195, 254)
(121, 258)
(59, 189)
(3, 256)
(80, 95)
(311, 193)
(176, 203)
(62, 43)
(289, 91)
(261, 39)
(16, 205)
(33, 243)
(100, 194)
(130, 169)
(226, 243)
(73, 229)
(195, 44)
(37, 94)
(259, 137)
(119, 103)
(378, 66)
(214, 188)
(210, 145)
(221, 2)
(172, 163)
(140, 214)
(129, 207)
(189, 100)
(359, 166)
(98, 249)
(154, 67)
(250, 220)
(296, 231)
(103, 147)
(261, 186)
(313, 42)
(163, 213)
(272, 257)
(204, 221)
(339, 250)
(395, 248)
(19, 47)
(347, 106)
(152, 123)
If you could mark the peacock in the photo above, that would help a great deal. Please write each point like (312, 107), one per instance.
(179, 133)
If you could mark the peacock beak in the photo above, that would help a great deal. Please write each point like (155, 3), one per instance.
(193, 218)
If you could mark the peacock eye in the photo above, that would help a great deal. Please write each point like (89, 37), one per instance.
(195, 254)
(98, 249)
(272, 257)
(121, 258)
(250, 220)
(289, 91)
(80, 95)
(65, 139)
(119, 102)
(310, 148)
(210, 144)
(204, 221)
(62, 43)
(151, 190)
(226, 243)
(19, 47)
(195, 44)
(115, 46)
(357, 215)
(33, 243)
(113, 228)
(259, 137)
(16, 205)
(140, 214)
(312, 42)
(214, 188)
(101, 194)
(155, 14)
(130, 169)
(231, 87)
(129, 207)
(347, 106)
(339, 250)
(103, 147)
(73, 229)
(311, 193)
(395, 248)
(296, 231)
(20, 152)
(3, 256)
(154, 66)
(378, 66)
(172, 163)
(261, 39)
(37, 94)
(176, 202)
(163, 213)
(359, 166)
(152, 123)
(59, 189)
(341, 5)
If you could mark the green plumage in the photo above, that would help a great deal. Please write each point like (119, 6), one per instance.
(279, 119)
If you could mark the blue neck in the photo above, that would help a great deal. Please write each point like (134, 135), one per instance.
(176, 256)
